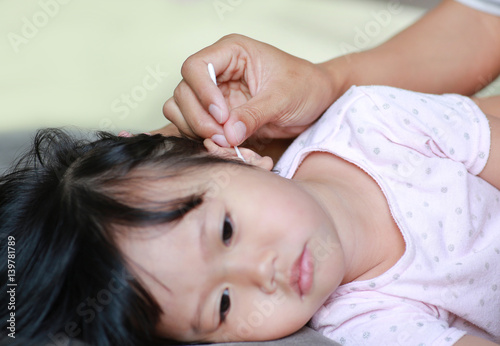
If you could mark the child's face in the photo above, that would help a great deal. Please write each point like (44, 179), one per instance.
(238, 255)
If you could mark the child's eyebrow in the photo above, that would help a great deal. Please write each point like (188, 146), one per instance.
(185, 206)
(148, 273)
(203, 240)
(196, 322)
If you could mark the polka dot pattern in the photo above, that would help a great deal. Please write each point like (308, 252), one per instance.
(425, 152)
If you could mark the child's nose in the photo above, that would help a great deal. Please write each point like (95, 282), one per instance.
(257, 269)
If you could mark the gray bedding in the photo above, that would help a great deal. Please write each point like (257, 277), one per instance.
(11, 145)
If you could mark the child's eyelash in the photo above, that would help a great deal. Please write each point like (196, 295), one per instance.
(227, 236)
(227, 231)
(225, 304)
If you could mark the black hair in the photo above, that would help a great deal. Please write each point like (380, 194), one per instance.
(58, 205)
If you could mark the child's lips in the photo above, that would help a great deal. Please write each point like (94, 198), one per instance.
(302, 273)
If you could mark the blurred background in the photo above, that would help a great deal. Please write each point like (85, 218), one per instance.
(110, 65)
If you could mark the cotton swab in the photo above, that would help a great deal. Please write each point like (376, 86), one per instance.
(211, 72)
(238, 152)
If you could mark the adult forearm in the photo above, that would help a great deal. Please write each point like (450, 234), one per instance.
(450, 49)
(489, 105)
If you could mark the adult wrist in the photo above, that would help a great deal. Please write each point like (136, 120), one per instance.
(336, 74)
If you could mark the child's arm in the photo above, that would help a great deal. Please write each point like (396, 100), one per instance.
(470, 340)
(491, 107)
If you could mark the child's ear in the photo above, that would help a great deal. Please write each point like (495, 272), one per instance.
(251, 157)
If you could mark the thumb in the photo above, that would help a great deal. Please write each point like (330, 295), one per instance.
(246, 119)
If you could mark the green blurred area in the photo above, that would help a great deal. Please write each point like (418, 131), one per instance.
(111, 64)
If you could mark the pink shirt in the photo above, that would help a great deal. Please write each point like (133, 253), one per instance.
(425, 152)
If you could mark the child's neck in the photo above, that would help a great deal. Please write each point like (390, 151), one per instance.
(371, 240)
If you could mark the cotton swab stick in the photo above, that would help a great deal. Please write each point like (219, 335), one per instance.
(211, 72)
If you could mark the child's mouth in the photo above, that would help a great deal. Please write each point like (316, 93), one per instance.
(301, 278)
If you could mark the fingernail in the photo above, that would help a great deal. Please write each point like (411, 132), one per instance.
(216, 113)
(239, 130)
(220, 140)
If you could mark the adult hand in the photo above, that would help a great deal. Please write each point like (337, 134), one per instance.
(261, 91)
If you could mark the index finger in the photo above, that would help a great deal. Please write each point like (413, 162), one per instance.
(195, 72)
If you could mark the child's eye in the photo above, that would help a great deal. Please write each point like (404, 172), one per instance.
(225, 304)
(227, 231)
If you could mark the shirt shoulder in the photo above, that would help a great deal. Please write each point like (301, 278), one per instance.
(366, 119)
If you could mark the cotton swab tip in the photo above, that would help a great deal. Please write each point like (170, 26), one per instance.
(238, 152)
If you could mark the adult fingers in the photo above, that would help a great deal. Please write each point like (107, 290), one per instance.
(173, 113)
(185, 111)
(246, 119)
(229, 59)
(168, 130)
(197, 78)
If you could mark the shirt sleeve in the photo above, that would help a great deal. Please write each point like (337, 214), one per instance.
(447, 126)
(390, 323)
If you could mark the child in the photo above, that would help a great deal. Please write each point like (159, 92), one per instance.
(381, 228)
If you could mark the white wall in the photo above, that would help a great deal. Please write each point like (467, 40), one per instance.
(69, 62)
